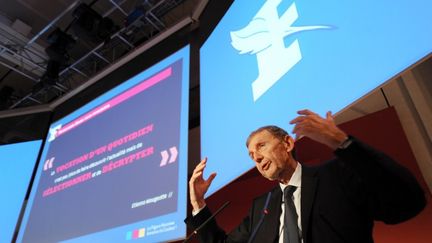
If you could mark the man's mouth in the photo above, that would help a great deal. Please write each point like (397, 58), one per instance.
(266, 165)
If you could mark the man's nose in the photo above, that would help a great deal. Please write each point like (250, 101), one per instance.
(258, 157)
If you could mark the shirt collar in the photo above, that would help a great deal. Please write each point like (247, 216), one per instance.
(295, 178)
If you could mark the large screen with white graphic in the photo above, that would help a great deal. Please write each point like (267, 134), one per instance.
(267, 59)
(15, 174)
(115, 170)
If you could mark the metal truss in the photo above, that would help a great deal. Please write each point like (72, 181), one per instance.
(30, 60)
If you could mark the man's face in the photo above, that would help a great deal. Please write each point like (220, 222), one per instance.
(271, 154)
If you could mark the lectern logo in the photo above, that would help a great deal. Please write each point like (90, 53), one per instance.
(264, 36)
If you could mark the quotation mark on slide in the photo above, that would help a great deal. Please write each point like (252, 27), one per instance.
(48, 164)
(166, 158)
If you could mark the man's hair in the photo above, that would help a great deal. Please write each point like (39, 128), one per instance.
(275, 131)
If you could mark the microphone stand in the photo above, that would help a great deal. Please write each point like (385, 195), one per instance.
(206, 222)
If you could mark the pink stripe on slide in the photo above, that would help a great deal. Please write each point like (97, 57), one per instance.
(116, 100)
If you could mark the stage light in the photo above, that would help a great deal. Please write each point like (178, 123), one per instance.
(91, 26)
(134, 15)
(86, 18)
(5, 94)
(60, 43)
(52, 72)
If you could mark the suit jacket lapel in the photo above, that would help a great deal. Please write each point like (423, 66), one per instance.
(269, 231)
(309, 183)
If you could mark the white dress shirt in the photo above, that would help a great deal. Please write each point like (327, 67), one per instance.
(294, 181)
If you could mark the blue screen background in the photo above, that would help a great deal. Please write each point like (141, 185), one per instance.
(17, 161)
(366, 44)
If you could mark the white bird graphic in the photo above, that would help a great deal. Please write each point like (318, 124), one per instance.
(264, 36)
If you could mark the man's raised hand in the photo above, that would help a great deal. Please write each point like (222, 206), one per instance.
(198, 186)
(323, 130)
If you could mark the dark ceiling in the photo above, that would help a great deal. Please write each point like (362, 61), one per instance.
(48, 48)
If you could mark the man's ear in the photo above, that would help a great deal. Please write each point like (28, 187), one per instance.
(289, 143)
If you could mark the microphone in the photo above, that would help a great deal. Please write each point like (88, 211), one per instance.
(205, 222)
(264, 213)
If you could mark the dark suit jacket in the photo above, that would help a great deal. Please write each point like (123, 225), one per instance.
(340, 200)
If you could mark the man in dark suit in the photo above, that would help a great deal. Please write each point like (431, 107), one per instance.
(337, 201)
